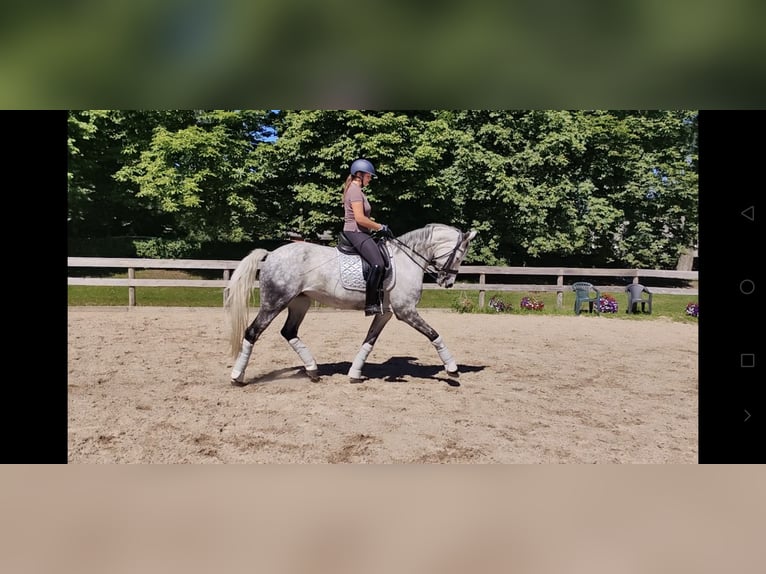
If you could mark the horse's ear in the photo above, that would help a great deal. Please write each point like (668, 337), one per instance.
(472, 234)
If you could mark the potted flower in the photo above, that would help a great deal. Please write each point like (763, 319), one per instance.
(607, 303)
(499, 305)
(462, 304)
(532, 304)
(693, 309)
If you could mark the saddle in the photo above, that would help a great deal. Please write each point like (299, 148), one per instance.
(354, 269)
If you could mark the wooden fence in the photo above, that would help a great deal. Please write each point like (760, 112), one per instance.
(226, 266)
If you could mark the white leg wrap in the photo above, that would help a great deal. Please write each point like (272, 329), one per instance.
(303, 353)
(238, 371)
(444, 354)
(355, 372)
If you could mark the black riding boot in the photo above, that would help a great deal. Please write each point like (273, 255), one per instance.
(373, 303)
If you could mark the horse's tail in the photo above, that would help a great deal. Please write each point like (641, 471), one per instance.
(236, 296)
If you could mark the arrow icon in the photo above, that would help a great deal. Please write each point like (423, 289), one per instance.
(749, 213)
(748, 415)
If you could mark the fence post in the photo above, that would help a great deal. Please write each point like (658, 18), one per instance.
(481, 292)
(223, 291)
(560, 292)
(131, 289)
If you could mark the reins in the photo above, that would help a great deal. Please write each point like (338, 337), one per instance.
(433, 272)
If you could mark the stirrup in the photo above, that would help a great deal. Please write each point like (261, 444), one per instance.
(373, 310)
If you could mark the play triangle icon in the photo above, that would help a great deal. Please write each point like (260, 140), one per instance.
(749, 213)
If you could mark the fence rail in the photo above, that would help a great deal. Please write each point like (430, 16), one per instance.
(226, 266)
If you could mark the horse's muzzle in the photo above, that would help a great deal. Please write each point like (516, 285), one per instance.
(446, 282)
(446, 278)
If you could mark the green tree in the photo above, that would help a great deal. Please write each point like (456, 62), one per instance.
(100, 143)
(200, 171)
(541, 186)
(308, 163)
(581, 187)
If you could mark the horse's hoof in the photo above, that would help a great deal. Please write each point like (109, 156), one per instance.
(313, 375)
(236, 383)
(453, 373)
(354, 381)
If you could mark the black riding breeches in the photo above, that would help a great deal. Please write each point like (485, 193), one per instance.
(366, 247)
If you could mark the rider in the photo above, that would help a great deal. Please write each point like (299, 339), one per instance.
(358, 226)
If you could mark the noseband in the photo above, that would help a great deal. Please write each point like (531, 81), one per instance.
(447, 267)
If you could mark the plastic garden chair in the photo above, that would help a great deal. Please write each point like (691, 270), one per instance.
(638, 294)
(585, 293)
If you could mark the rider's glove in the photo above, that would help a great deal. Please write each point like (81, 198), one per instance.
(385, 231)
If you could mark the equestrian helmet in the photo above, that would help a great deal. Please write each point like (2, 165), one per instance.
(362, 165)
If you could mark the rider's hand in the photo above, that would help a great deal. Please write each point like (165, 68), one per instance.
(385, 231)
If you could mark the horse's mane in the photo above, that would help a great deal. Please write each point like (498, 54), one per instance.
(423, 235)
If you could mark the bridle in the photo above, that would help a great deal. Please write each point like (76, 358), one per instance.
(430, 264)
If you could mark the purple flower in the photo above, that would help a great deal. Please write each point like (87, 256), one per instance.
(532, 304)
(607, 304)
(693, 309)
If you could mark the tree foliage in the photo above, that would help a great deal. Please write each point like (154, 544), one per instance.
(605, 188)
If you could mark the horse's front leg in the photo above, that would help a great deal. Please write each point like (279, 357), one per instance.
(355, 372)
(414, 320)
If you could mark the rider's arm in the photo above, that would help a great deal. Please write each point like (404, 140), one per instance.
(362, 219)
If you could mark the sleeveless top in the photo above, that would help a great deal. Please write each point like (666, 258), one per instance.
(354, 193)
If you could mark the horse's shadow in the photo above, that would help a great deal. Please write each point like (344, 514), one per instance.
(393, 370)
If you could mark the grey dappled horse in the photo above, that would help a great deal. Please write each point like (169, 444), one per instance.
(294, 274)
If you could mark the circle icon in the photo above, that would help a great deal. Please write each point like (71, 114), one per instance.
(746, 286)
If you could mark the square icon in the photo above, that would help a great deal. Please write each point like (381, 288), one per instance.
(747, 360)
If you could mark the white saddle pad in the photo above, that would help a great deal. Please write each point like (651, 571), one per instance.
(351, 276)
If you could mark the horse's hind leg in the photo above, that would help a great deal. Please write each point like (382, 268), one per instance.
(414, 320)
(296, 311)
(260, 323)
(355, 372)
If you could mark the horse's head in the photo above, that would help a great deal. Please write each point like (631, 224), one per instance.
(450, 246)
